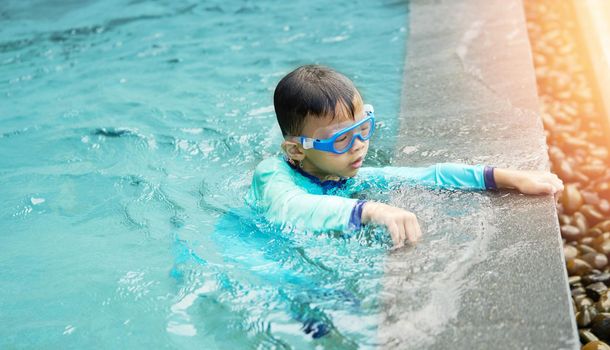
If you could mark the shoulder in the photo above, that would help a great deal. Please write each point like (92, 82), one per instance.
(272, 177)
(273, 167)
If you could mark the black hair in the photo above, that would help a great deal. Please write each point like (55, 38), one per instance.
(311, 90)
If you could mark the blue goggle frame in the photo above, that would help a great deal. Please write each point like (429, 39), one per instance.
(327, 145)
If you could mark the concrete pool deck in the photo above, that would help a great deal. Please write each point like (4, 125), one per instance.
(491, 272)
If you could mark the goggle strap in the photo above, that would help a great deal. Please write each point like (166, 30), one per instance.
(307, 142)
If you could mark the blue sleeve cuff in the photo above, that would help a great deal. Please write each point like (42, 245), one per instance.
(488, 175)
(355, 220)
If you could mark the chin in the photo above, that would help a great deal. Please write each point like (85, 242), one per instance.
(352, 172)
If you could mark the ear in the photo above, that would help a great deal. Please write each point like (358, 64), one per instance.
(293, 150)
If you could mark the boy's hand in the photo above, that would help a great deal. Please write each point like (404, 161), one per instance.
(528, 181)
(400, 223)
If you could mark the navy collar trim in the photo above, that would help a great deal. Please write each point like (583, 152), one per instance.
(326, 184)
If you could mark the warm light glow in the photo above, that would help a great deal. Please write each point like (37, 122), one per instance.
(594, 18)
(571, 51)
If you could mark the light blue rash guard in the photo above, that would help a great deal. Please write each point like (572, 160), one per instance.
(294, 199)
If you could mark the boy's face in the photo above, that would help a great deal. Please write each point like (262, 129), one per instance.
(326, 165)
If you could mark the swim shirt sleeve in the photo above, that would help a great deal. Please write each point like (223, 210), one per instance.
(282, 201)
(443, 175)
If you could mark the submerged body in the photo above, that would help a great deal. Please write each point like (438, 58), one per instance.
(295, 200)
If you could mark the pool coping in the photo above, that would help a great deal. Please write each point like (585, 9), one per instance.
(469, 96)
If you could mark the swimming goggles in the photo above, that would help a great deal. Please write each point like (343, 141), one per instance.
(342, 140)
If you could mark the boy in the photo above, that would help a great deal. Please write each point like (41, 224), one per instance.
(326, 128)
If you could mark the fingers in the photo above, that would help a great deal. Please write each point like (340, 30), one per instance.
(548, 183)
(418, 229)
(401, 225)
(547, 188)
(403, 234)
(557, 182)
(397, 234)
(412, 228)
(556, 185)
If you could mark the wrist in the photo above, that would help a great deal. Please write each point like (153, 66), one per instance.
(505, 178)
(368, 211)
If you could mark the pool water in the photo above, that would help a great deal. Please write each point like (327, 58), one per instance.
(129, 132)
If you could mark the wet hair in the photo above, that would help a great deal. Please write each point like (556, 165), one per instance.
(311, 91)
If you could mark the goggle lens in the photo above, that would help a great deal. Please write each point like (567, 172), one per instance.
(345, 141)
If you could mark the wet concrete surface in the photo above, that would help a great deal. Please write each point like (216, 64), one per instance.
(490, 271)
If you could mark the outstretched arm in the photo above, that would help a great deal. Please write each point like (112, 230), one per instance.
(443, 175)
(463, 176)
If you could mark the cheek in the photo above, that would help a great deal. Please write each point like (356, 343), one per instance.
(328, 160)
(321, 157)
(343, 159)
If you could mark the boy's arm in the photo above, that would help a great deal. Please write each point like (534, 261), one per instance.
(444, 175)
(285, 203)
(463, 176)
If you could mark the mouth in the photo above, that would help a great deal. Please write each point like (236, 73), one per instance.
(357, 163)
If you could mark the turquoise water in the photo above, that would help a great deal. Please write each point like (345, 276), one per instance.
(129, 132)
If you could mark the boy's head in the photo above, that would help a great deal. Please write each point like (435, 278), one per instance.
(316, 102)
